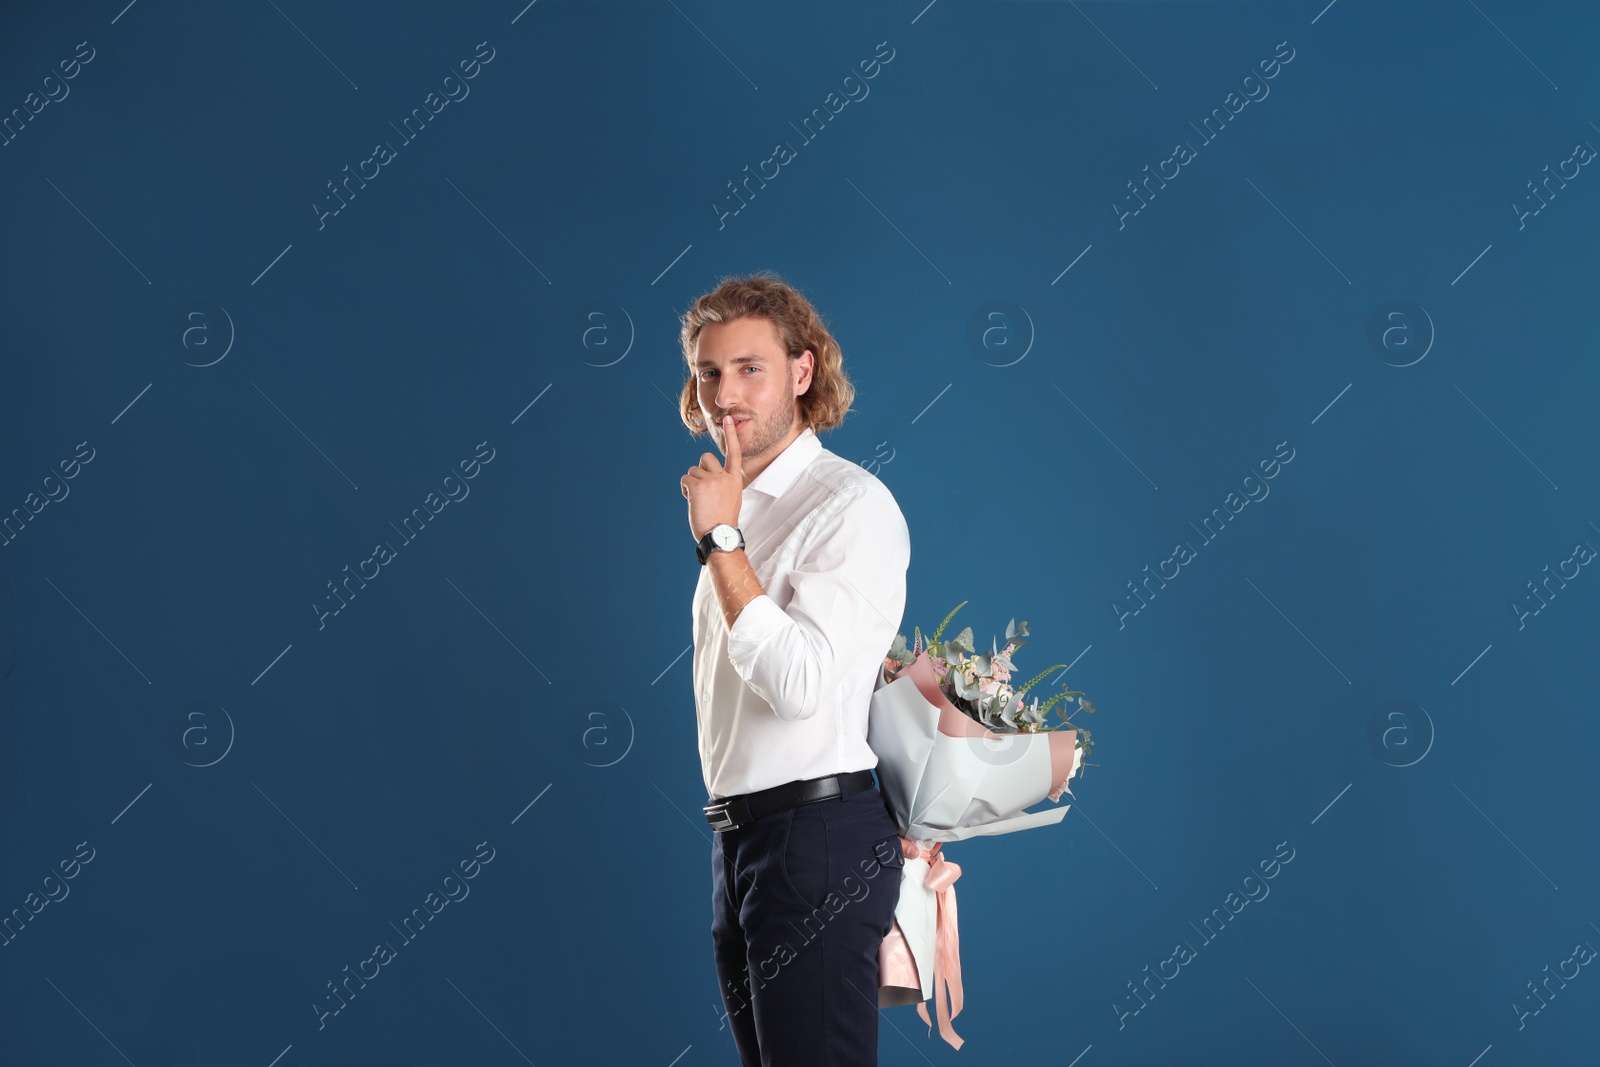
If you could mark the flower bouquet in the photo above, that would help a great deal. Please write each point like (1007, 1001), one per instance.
(960, 754)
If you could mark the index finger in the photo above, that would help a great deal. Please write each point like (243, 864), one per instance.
(730, 445)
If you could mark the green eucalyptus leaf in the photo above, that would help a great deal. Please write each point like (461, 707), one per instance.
(963, 641)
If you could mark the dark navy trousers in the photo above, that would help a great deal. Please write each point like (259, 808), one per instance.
(801, 900)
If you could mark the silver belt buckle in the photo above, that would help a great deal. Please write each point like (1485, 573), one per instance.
(719, 817)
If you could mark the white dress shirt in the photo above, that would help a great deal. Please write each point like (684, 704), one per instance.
(783, 694)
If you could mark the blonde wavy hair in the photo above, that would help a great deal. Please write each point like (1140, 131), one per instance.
(765, 295)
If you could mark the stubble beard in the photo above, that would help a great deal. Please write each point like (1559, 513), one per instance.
(768, 430)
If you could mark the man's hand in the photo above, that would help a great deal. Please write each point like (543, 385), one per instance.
(714, 491)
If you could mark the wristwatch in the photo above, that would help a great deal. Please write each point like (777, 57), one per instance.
(720, 537)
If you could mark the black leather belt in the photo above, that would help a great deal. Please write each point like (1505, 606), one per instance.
(730, 813)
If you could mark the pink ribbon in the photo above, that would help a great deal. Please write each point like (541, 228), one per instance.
(947, 992)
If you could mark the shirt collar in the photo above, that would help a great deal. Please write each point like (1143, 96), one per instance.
(778, 475)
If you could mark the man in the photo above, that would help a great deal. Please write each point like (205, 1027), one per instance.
(804, 558)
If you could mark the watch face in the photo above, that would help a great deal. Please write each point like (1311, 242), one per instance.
(725, 536)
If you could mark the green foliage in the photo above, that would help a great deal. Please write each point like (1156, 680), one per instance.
(948, 617)
(1005, 710)
(1040, 677)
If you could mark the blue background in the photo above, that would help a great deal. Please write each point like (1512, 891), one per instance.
(265, 796)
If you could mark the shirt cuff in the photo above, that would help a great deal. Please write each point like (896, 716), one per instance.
(758, 620)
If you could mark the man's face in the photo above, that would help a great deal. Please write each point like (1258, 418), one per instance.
(742, 371)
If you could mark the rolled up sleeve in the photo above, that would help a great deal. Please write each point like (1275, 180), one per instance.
(848, 597)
